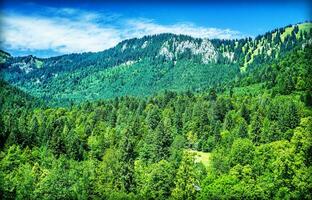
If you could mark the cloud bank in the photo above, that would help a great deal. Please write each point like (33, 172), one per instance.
(72, 31)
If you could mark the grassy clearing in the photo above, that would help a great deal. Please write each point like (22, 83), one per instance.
(287, 32)
(202, 157)
(305, 27)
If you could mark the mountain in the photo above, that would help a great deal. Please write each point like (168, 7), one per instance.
(250, 142)
(144, 66)
(248, 138)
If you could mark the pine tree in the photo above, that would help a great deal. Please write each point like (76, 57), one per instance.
(256, 126)
(127, 146)
(245, 113)
(163, 142)
(288, 117)
(186, 179)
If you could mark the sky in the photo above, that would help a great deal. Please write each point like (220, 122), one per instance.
(50, 28)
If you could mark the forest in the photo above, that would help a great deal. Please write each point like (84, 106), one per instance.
(245, 138)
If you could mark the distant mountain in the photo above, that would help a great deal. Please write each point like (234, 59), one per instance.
(4, 56)
(150, 64)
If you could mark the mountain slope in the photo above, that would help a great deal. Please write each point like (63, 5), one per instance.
(150, 64)
(256, 136)
(259, 145)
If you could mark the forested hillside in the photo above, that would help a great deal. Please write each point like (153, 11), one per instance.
(145, 66)
(254, 131)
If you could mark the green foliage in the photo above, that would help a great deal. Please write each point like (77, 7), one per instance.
(255, 133)
(242, 152)
(156, 180)
(186, 179)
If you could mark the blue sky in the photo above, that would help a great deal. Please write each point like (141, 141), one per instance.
(49, 28)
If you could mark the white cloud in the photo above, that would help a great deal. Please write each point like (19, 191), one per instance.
(70, 30)
(58, 34)
(146, 27)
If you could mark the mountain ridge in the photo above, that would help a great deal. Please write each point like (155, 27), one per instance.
(150, 64)
(166, 38)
